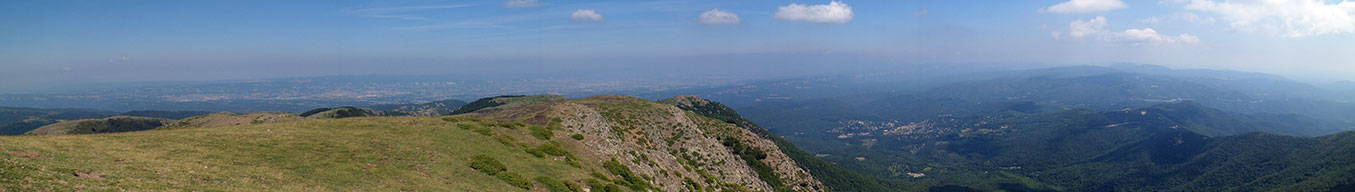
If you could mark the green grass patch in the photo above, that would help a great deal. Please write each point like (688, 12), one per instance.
(542, 133)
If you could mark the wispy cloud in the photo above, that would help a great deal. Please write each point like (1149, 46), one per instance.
(1180, 16)
(1085, 6)
(397, 12)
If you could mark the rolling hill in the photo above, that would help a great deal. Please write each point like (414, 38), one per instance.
(19, 120)
(603, 143)
(113, 124)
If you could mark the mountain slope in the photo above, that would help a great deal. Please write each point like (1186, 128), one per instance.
(604, 143)
(654, 138)
(831, 175)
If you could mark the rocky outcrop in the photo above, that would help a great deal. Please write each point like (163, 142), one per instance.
(672, 148)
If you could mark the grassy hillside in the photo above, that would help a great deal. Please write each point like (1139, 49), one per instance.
(605, 143)
(365, 154)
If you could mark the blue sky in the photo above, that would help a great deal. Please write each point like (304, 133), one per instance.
(55, 41)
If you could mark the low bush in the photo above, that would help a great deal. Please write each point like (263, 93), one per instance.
(485, 131)
(515, 180)
(542, 133)
(465, 126)
(487, 164)
(556, 185)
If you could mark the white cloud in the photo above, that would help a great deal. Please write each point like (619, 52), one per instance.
(1095, 29)
(1287, 18)
(717, 17)
(1086, 6)
(1080, 28)
(521, 4)
(920, 13)
(1150, 36)
(585, 15)
(834, 12)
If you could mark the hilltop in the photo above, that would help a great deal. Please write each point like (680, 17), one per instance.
(106, 125)
(603, 143)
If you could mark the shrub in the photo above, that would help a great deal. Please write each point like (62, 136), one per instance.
(577, 136)
(629, 179)
(555, 185)
(542, 133)
(610, 188)
(456, 119)
(485, 131)
(487, 164)
(465, 126)
(594, 184)
(553, 149)
(507, 140)
(515, 180)
(535, 152)
(509, 125)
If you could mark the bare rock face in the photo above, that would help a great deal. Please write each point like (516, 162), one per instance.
(671, 148)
